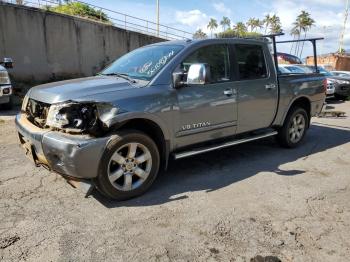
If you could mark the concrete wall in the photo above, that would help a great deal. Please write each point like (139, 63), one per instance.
(46, 46)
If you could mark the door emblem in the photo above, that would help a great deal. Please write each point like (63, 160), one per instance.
(195, 125)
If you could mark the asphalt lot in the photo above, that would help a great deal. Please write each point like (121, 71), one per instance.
(230, 205)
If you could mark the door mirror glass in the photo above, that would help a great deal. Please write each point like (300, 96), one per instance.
(198, 74)
(7, 62)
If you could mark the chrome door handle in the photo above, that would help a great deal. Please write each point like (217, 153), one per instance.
(270, 86)
(228, 92)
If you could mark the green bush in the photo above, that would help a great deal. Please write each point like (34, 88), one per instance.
(79, 9)
(229, 33)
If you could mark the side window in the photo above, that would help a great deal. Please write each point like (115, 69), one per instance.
(216, 56)
(251, 62)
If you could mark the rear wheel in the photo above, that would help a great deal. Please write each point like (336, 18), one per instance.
(128, 166)
(294, 128)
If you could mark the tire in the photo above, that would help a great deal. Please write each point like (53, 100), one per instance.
(121, 174)
(294, 128)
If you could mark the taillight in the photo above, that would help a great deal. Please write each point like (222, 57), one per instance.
(325, 85)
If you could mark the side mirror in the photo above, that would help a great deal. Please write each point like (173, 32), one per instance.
(178, 78)
(8, 62)
(198, 74)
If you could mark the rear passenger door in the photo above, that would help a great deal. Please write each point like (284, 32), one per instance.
(257, 90)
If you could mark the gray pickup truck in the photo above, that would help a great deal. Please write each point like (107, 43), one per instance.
(168, 100)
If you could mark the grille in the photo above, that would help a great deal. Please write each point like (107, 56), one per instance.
(37, 112)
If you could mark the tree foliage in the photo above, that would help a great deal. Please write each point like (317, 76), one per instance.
(212, 25)
(80, 9)
(199, 34)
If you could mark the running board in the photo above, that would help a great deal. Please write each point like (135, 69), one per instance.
(202, 150)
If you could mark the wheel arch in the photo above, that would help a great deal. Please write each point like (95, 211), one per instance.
(301, 101)
(153, 130)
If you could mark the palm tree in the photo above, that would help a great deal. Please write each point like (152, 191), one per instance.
(240, 29)
(275, 25)
(307, 23)
(251, 24)
(267, 22)
(199, 34)
(258, 24)
(213, 24)
(294, 32)
(225, 22)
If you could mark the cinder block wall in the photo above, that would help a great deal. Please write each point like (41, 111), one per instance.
(47, 46)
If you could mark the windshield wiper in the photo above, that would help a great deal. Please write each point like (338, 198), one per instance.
(121, 75)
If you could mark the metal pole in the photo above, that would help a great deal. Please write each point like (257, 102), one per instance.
(341, 42)
(158, 18)
(315, 55)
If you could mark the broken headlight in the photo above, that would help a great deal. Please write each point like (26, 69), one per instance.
(72, 116)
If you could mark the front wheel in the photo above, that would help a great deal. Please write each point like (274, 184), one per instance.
(128, 166)
(294, 128)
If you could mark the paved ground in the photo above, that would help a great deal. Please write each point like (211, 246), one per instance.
(234, 204)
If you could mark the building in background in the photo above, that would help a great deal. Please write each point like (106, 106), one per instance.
(332, 61)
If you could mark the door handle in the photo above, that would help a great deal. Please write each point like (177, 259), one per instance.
(228, 92)
(270, 86)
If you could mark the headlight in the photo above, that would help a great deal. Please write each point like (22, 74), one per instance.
(73, 116)
(55, 118)
(4, 78)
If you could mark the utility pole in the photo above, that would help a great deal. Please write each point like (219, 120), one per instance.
(341, 41)
(158, 18)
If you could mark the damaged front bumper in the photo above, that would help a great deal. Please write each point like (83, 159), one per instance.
(71, 155)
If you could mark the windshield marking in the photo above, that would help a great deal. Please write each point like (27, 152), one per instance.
(161, 62)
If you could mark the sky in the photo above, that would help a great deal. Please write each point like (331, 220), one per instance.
(191, 15)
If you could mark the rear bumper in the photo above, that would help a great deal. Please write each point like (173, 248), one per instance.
(71, 155)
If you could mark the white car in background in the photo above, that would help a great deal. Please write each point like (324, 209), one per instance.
(5, 83)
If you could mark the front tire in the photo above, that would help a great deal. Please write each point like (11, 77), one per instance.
(128, 166)
(294, 128)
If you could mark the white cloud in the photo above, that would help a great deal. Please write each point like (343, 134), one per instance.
(221, 8)
(193, 18)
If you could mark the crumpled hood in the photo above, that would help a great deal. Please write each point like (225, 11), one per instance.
(77, 89)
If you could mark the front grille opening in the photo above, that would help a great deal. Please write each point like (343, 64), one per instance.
(37, 112)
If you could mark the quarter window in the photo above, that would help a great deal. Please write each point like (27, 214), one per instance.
(216, 56)
(251, 62)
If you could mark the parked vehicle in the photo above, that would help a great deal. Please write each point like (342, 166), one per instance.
(284, 58)
(171, 99)
(295, 69)
(341, 73)
(304, 69)
(341, 83)
(5, 83)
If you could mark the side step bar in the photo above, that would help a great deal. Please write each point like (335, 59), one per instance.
(202, 150)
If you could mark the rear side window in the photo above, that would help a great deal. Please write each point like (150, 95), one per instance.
(216, 56)
(251, 62)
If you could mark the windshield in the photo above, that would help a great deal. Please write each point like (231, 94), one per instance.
(143, 63)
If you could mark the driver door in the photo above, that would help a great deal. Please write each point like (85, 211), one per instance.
(207, 111)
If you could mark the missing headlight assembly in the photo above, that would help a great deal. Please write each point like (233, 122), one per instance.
(71, 116)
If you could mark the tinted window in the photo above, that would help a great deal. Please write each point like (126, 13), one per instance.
(216, 56)
(251, 62)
